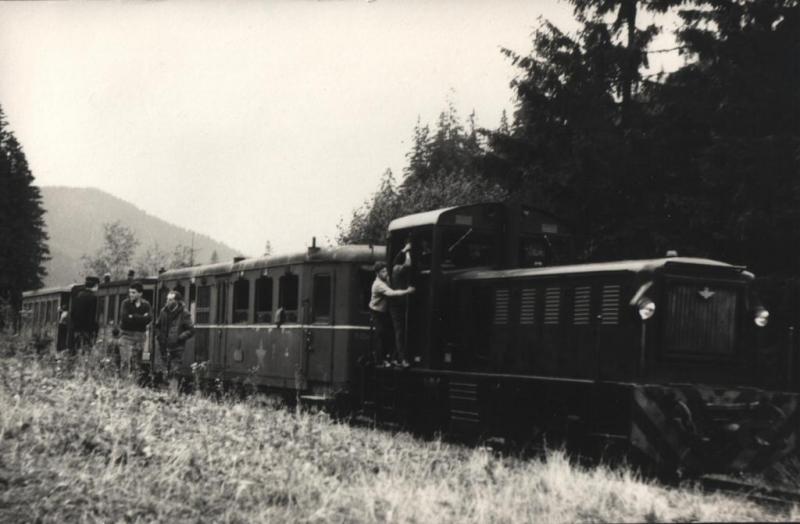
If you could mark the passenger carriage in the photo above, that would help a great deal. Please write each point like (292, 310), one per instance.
(297, 322)
(41, 313)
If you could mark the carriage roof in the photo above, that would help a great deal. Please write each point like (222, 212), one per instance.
(48, 291)
(358, 253)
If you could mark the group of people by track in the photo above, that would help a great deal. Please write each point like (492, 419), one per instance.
(173, 327)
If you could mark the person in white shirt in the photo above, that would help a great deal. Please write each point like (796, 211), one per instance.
(379, 308)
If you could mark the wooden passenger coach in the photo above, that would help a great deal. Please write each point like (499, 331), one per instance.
(40, 312)
(297, 321)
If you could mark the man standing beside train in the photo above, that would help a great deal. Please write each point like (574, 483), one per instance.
(174, 327)
(136, 315)
(83, 316)
(379, 307)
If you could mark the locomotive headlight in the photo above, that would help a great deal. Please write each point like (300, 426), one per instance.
(761, 317)
(647, 308)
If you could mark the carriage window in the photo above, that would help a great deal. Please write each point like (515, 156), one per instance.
(552, 305)
(527, 307)
(148, 296)
(610, 305)
(288, 291)
(264, 300)
(203, 311)
(582, 305)
(322, 298)
(182, 290)
(501, 298)
(241, 301)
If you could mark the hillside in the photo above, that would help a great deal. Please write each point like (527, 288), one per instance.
(75, 218)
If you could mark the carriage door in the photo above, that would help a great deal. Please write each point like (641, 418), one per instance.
(320, 335)
(220, 332)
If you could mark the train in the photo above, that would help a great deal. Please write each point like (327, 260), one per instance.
(510, 340)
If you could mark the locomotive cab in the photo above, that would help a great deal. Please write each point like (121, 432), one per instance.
(448, 242)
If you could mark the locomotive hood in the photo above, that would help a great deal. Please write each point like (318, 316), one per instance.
(625, 266)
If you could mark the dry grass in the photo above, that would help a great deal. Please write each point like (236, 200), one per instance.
(78, 445)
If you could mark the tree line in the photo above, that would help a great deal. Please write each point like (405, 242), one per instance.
(703, 159)
(115, 257)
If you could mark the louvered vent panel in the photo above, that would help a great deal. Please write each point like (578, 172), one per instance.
(583, 300)
(610, 306)
(527, 309)
(552, 304)
(501, 298)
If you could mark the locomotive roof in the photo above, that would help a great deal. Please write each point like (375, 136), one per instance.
(418, 219)
(625, 266)
(48, 291)
(358, 253)
(429, 218)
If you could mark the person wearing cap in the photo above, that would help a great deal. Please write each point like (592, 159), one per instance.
(379, 308)
(83, 316)
(173, 328)
(135, 317)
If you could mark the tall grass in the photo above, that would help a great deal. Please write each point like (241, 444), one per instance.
(78, 444)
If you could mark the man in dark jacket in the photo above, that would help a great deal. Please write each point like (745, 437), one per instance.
(83, 315)
(135, 317)
(174, 328)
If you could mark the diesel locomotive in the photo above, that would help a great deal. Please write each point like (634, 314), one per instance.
(509, 340)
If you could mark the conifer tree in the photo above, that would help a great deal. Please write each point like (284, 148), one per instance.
(23, 240)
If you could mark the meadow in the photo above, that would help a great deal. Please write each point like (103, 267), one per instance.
(78, 444)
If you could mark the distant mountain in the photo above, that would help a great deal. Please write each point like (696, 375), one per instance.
(75, 218)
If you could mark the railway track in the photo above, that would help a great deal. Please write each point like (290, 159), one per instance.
(775, 497)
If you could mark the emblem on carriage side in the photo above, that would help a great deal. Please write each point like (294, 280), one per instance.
(706, 293)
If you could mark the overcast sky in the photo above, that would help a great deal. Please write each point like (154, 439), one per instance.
(249, 121)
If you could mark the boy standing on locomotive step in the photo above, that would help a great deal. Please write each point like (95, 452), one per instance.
(136, 315)
(174, 328)
(379, 308)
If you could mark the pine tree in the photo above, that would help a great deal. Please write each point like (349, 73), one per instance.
(23, 240)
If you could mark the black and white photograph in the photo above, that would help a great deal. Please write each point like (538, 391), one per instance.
(403, 261)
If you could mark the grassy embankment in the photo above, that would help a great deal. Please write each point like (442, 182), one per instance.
(78, 445)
